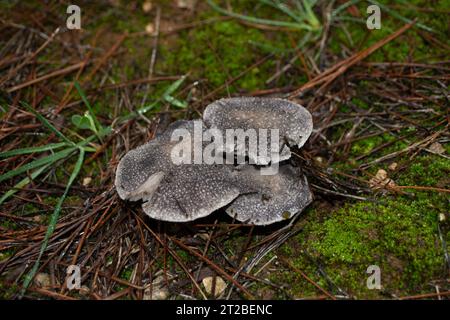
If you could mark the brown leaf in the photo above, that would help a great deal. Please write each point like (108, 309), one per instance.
(381, 180)
(437, 148)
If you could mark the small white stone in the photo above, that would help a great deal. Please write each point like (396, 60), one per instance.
(87, 181)
(186, 4)
(150, 29)
(220, 285)
(156, 293)
(319, 161)
(147, 6)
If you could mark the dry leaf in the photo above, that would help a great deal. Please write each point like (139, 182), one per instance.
(204, 236)
(437, 148)
(381, 180)
(84, 291)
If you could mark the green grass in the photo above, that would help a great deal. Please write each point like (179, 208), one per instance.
(88, 121)
(302, 14)
(427, 170)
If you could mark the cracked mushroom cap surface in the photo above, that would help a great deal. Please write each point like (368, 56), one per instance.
(173, 192)
(293, 121)
(274, 197)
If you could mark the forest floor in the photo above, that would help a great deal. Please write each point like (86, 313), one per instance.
(378, 160)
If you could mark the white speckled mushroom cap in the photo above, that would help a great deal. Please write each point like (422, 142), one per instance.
(171, 192)
(293, 121)
(275, 197)
(184, 192)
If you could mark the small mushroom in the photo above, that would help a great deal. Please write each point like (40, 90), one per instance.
(170, 191)
(293, 122)
(184, 190)
(274, 198)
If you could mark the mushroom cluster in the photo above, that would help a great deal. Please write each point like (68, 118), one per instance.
(250, 189)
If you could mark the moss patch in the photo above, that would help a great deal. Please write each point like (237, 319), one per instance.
(398, 235)
(219, 52)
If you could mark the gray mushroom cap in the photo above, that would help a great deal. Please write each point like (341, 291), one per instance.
(274, 197)
(184, 192)
(141, 169)
(293, 121)
(192, 191)
(172, 192)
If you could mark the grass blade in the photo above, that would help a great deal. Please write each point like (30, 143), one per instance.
(283, 8)
(37, 163)
(174, 86)
(46, 123)
(175, 102)
(47, 147)
(285, 24)
(24, 182)
(53, 220)
(343, 7)
(167, 95)
(400, 17)
(88, 105)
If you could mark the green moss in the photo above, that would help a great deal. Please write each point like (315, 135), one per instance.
(5, 254)
(399, 235)
(69, 201)
(427, 170)
(410, 44)
(30, 208)
(220, 52)
(8, 224)
(7, 292)
(360, 103)
(365, 146)
(185, 256)
(126, 273)
(118, 19)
